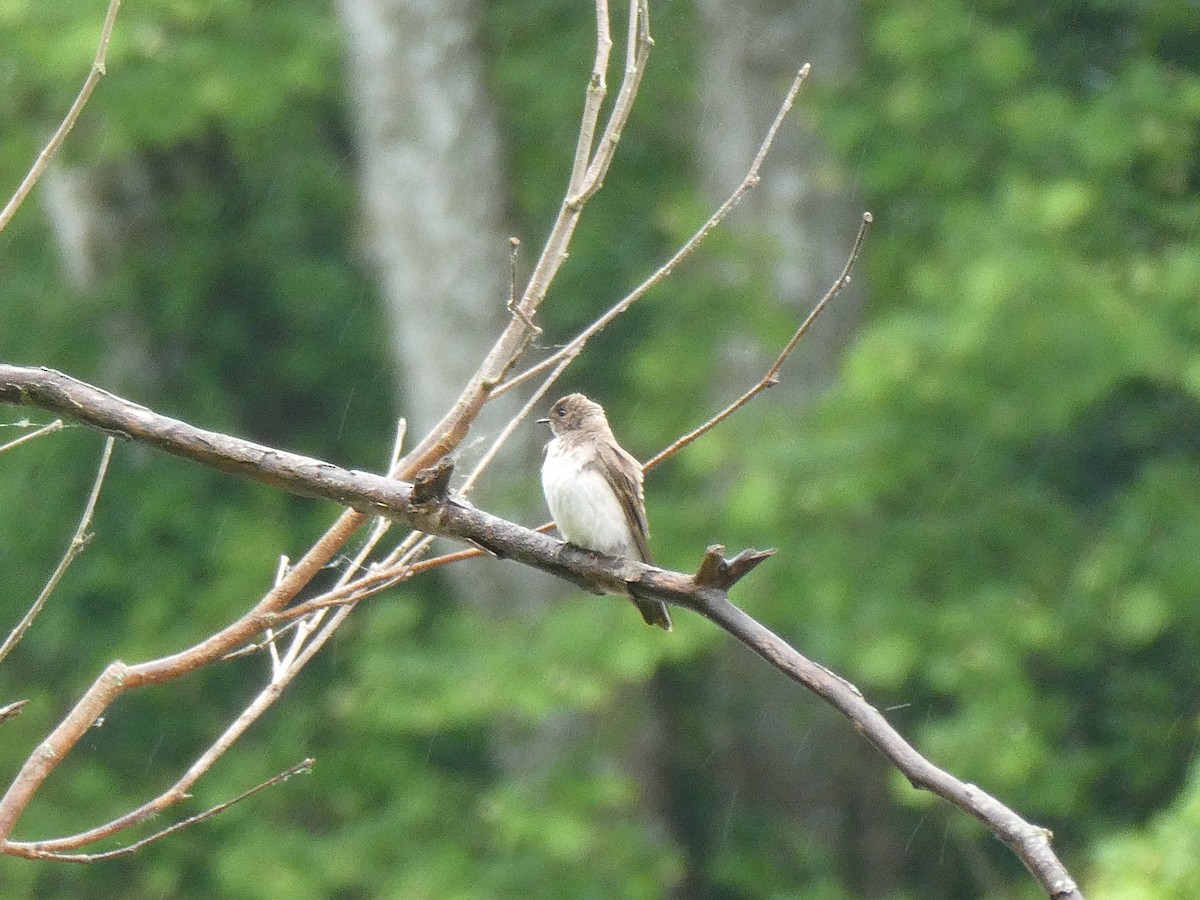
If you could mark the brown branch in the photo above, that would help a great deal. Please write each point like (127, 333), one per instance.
(706, 592)
(637, 52)
(118, 677)
(1029, 842)
(60, 135)
(771, 378)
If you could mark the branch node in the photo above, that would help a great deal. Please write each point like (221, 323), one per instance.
(721, 573)
(431, 486)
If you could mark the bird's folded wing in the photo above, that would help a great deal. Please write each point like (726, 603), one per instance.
(624, 474)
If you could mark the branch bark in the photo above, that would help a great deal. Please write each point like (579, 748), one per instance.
(428, 506)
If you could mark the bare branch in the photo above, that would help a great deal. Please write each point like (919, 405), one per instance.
(637, 52)
(41, 850)
(706, 592)
(453, 427)
(752, 178)
(79, 540)
(60, 135)
(1029, 842)
(772, 377)
(118, 677)
(593, 99)
(56, 425)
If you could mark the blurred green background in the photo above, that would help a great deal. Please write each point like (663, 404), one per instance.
(987, 504)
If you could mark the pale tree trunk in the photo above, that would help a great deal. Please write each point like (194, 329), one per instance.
(749, 50)
(432, 185)
(432, 189)
(91, 209)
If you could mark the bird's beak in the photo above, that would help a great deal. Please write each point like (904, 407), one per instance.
(543, 421)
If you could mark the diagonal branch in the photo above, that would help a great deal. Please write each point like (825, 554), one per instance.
(79, 541)
(60, 135)
(52, 427)
(751, 179)
(771, 378)
(432, 511)
(44, 851)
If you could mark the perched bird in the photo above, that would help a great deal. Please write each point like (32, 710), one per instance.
(594, 490)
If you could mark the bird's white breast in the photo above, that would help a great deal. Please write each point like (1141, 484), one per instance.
(584, 505)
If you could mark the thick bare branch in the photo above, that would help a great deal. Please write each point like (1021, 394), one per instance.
(705, 592)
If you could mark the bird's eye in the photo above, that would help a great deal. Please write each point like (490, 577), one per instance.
(560, 412)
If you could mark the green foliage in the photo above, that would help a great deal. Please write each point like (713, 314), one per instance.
(999, 497)
(989, 521)
(1158, 862)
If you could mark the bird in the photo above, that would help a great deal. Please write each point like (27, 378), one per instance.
(594, 490)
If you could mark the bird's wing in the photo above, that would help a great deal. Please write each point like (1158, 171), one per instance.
(624, 474)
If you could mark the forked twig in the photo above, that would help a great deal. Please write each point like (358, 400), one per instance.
(453, 427)
(38, 851)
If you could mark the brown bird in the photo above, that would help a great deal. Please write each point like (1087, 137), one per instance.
(594, 490)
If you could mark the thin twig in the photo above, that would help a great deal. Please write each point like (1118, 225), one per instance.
(56, 141)
(304, 628)
(79, 540)
(56, 425)
(772, 377)
(751, 179)
(593, 100)
(10, 710)
(35, 851)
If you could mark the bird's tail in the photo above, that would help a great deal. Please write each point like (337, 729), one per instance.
(654, 612)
